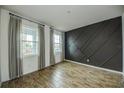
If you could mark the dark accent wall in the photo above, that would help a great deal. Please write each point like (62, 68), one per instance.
(99, 44)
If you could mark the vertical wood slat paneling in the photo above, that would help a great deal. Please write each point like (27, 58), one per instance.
(101, 43)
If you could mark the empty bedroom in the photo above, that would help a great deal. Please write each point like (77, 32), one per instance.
(61, 46)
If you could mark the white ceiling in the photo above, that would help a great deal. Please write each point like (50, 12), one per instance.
(68, 17)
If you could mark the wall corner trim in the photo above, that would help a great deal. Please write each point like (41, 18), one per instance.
(123, 41)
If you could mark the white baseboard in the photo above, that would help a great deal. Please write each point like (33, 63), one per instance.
(105, 69)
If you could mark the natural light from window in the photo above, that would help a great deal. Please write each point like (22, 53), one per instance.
(29, 41)
(57, 44)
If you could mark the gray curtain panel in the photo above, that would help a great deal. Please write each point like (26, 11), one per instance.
(52, 56)
(15, 60)
(41, 58)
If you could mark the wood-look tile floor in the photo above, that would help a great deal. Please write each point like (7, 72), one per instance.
(65, 75)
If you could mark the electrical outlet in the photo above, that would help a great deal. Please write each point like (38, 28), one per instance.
(88, 60)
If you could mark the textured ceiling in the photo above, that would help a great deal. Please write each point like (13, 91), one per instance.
(67, 17)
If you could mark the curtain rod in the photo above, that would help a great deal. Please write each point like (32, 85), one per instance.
(32, 20)
(26, 18)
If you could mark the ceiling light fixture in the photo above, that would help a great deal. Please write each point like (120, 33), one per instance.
(68, 11)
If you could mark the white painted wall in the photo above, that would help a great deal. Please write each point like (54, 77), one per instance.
(4, 44)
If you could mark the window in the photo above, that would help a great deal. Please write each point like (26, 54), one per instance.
(57, 44)
(29, 40)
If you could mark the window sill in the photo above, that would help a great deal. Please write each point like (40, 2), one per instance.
(27, 56)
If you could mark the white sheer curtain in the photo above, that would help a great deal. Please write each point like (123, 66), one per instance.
(30, 46)
(59, 50)
(33, 46)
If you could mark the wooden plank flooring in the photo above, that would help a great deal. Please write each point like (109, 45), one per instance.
(67, 75)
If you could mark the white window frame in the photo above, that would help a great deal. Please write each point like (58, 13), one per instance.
(59, 43)
(32, 26)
